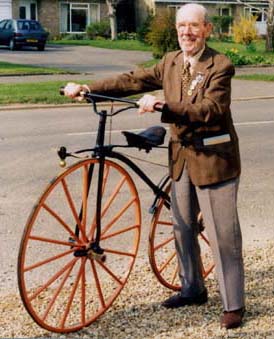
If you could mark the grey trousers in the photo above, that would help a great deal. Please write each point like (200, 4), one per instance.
(218, 204)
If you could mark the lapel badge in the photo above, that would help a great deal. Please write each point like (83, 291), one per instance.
(199, 78)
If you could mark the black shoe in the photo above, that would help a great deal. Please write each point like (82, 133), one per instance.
(178, 301)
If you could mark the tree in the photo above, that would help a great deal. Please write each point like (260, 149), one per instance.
(112, 5)
(269, 46)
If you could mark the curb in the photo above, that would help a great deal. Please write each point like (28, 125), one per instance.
(51, 106)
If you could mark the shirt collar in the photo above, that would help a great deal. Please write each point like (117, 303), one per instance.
(194, 58)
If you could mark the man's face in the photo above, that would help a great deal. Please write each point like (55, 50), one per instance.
(192, 31)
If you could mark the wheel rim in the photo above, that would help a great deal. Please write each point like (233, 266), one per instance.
(65, 286)
(162, 254)
(12, 45)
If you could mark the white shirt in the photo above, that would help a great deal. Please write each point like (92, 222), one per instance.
(193, 59)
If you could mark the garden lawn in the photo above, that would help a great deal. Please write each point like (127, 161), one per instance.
(7, 68)
(129, 45)
(32, 93)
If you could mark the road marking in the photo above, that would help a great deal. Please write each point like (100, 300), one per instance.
(247, 123)
(254, 123)
(107, 132)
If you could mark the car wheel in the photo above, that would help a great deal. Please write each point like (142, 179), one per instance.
(41, 47)
(12, 45)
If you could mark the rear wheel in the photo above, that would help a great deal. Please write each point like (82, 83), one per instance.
(41, 47)
(65, 281)
(12, 45)
(162, 254)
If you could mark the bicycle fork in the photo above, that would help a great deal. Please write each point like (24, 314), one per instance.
(93, 250)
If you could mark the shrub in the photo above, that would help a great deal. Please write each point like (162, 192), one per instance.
(240, 59)
(144, 29)
(163, 34)
(221, 24)
(244, 30)
(74, 36)
(127, 36)
(98, 29)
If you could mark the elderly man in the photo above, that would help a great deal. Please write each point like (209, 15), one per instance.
(204, 157)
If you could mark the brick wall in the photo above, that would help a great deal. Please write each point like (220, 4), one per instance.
(48, 15)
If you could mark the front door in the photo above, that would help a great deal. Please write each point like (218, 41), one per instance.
(28, 10)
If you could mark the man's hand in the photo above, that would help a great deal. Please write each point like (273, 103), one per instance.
(72, 90)
(149, 103)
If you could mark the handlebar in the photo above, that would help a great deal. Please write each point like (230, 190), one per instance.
(98, 97)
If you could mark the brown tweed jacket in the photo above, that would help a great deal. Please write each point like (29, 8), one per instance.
(202, 131)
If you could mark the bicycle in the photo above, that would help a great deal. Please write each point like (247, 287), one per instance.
(81, 238)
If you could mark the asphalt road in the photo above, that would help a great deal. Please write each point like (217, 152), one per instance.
(28, 142)
(83, 59)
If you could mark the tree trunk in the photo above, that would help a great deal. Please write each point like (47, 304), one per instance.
(112, 17)
(269, 45)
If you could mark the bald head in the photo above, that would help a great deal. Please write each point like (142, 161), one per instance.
(193, 27)
(199, 10)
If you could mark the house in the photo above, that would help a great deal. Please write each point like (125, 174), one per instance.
(67, 16)
(232, 8)
(72, 16)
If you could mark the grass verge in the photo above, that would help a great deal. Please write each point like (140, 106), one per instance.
(33, 93)
(7, 68)
(256, 77)
(129, 45)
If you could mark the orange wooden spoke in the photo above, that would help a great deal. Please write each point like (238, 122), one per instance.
(167, 262)
(61, 221)
(124, 230)
(118, 215)
(204, 238)
(162, 248)
(64, 285)
(72, 294)
(166, 223)
(106, 173)
(107, 204)
(84, 197)
(73, 209)
(48, 260)
(119, 281)
(98, 286)
(113, 196)
(53, 241)
(108, 250)
(175, 273)
(57, 292)
(162, 244)
(53, 278)
(83, 292)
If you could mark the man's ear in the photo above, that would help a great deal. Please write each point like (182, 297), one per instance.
(209, 28)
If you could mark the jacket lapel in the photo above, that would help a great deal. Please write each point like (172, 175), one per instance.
(200, 73)
(176, 77)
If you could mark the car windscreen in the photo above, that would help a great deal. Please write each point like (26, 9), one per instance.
(28, 25)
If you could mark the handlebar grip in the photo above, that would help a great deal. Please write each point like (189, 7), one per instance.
(62, 90)
(158, 107)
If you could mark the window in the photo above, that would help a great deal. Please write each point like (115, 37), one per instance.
(33, 11)
(2, 24)
(224, 11)
(260, 13)
(22, 12)
(75, 17)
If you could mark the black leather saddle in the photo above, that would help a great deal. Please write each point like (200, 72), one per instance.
(151, 137)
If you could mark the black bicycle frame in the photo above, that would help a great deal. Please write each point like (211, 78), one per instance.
(100, 152)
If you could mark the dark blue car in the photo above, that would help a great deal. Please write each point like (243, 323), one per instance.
(18, 33)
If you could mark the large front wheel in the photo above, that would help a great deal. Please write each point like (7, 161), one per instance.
(65, 279)
(162, 254)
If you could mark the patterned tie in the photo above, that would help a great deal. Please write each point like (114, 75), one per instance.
(186, 76)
